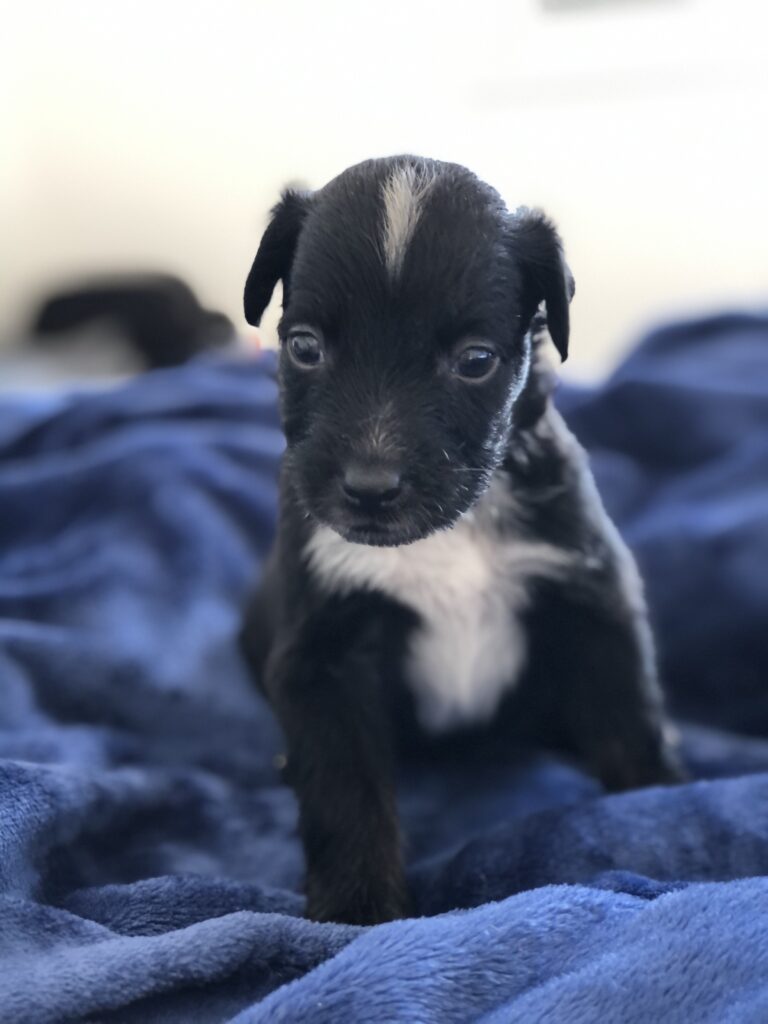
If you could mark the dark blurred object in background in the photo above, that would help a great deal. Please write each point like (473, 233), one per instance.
(158, 314)
(102, 329)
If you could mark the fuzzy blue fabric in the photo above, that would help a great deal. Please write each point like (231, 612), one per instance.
(149, 866)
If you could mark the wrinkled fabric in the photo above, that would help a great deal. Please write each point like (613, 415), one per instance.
(149, 864)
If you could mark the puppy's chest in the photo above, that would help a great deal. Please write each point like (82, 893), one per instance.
(468, 587)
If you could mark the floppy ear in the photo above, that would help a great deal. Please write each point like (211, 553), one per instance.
(545, 274)
(275, 255)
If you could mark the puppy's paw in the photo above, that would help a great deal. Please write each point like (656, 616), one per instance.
(362, 903)
(622, 767)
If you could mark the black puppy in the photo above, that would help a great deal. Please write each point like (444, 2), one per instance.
(442, 556)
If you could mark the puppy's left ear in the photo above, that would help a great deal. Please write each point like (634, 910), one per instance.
(275, 254)
(545, 274)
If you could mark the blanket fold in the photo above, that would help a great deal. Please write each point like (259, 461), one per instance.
(149, 864)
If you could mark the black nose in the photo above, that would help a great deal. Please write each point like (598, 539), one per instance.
(371, 484)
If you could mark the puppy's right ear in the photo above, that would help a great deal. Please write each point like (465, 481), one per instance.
(275, 255)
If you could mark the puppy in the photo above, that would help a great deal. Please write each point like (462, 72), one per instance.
(442, 562)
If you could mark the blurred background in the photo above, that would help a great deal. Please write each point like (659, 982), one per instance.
(155, 137)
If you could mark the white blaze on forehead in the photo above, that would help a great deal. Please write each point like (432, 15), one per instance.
(403, 194)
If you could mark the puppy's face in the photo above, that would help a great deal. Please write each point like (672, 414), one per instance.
(408, 292)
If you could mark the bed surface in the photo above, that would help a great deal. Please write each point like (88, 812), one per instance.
(149, 868)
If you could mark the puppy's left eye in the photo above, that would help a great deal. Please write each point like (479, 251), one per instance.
(475, 363)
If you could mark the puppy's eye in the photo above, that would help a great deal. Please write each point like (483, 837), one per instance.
(305, 349)
(475, 363)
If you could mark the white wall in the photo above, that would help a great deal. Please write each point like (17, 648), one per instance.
(158, 134)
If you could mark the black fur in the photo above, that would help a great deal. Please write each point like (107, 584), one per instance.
(387, 396)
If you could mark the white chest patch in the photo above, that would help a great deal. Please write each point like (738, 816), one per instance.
(468, 587)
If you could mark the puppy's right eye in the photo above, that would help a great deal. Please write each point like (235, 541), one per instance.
(305, 349)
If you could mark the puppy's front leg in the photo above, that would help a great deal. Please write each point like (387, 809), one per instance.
(598, 657)
(331, 711)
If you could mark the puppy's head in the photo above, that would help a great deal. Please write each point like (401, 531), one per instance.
(408, 294)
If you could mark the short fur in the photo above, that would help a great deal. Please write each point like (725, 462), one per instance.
(485, 591)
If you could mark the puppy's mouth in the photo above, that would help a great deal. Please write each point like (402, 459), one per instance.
(383, 530)
(376, 534)
(387, 527)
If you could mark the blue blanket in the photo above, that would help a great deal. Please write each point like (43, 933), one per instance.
(149, 867)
